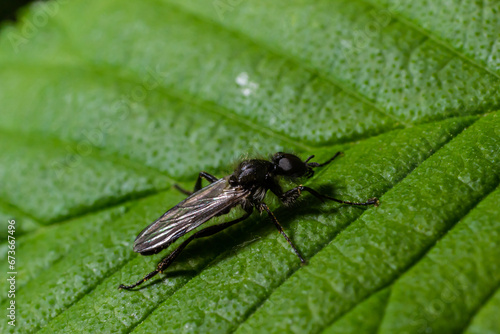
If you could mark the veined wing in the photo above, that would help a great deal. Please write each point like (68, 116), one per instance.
(195, 210)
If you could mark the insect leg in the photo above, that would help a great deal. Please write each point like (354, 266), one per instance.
(167, 261)
(264, 206)
(291, 195)
(209, 177)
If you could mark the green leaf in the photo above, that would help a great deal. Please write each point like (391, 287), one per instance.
(106, 105)
(364, 317)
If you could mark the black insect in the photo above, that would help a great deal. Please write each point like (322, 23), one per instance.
(246, 187)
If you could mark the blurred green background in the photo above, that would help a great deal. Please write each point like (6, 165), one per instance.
(8, 9)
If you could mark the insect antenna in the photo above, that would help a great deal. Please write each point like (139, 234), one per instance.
(315, 164)
(312, 156)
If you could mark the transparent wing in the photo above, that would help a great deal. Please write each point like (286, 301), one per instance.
(195, 210)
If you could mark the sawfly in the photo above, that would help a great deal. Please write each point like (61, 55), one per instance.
(245, 187)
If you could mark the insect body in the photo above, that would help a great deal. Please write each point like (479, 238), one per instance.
(246, 187)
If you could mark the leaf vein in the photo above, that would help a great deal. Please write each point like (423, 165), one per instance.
(413, 25)
(417, 259)
(355, 94)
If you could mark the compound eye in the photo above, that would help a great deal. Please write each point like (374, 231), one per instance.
(279, 160)
(289, 164)
(285, 164)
